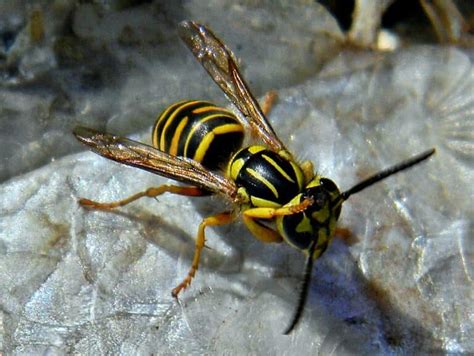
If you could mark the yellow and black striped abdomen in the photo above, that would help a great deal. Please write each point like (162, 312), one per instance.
(198, 130)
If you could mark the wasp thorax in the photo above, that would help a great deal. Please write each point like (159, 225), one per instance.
(318, 221)
(270, 179)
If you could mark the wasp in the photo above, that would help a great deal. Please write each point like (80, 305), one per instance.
(200, 145)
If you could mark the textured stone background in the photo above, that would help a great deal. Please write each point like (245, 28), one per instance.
(74, 281)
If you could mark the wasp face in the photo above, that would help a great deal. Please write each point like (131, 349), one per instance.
(318, 222)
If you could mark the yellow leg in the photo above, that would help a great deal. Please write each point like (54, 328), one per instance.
(260, 231)
(268, 102)
(150, 193)
(215, 220)
(270, 213)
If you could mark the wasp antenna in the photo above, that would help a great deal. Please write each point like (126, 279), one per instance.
(387, 172)
(304, 290)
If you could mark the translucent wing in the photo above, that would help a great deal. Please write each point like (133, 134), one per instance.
(136, 154)
(219, 62)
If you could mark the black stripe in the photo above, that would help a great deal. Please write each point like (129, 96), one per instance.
(203, 129)
(178, 112)
(161, 122)
(221, 149)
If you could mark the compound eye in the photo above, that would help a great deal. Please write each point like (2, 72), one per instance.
(319, 197)
(329, 185)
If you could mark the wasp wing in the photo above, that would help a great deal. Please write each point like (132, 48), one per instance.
(221, 65)
(136, 154)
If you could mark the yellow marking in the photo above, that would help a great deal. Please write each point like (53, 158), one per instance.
(264, 203)
(255, 149)
(299, 174)
(207, 108)
(227, 128)
(203, 147)
(177, 135)
(308, 171)
(234, 168)
(265, 181)
(304, 225)
(322, 237)
(208, 138)
(286, 155)
(278, 168)
(321, 215)
(194, 129)
(242, 193)
(315, 182)
(295, 201)
(235, 165)
(170, 120)
(163, 116)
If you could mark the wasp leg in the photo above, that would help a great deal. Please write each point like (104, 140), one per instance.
(215, 220)
(269, 101)
(260, 231)
(270, 213)
(150, 193)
